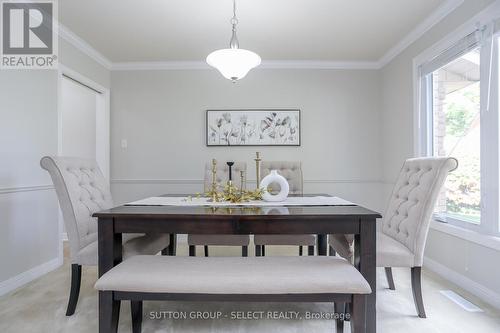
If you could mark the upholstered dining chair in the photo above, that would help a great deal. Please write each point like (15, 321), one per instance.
(218, 240)
(82, 190)
(403, 233)
(292, 171)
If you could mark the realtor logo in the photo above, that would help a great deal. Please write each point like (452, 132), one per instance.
(29, 39)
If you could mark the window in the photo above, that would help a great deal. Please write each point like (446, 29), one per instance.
(457, 132)
(457, 113)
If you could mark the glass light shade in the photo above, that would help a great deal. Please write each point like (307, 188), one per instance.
(233, 64)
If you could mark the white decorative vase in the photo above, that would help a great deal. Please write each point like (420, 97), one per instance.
(274, 177)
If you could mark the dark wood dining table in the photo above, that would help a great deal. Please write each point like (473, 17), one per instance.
(238, 220)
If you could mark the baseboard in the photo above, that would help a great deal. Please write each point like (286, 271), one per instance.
(28, 276)
(485, 294)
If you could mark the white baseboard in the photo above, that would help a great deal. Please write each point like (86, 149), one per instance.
(28, 276)
(485, 294)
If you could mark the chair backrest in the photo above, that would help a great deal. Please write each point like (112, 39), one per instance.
(291, 170)
(408, 215)
(223, 174)
(82, 190)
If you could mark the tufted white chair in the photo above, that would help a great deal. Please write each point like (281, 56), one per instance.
(401, 240)
(292, 171)
(82, 190)
(230, 240)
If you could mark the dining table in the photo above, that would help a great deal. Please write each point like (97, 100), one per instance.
(321, 220)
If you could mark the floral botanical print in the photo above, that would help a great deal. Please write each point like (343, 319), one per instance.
(253, 127)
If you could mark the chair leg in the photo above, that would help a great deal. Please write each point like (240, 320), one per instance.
(109, 312)
(331, 252)
(173, 245)
(310, 250)
(358, 314)
(263, 252)
(339, 309)
(416, 287)
(136, 309)
(390, 280)
(192, 251)
(206, 250)
(244, 251)
(300, 251)
(258, 251)
(76, 279)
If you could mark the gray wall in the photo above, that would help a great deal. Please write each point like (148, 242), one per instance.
(458, 255)
(162, 116)
(28, 130)
(29, 236)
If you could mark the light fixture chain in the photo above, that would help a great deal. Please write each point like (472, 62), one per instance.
(234, 19)
(234, 44)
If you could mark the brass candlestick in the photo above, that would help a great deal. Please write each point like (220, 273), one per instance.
(242, 182)
(214, 180)
(257, 168)
(230, 181)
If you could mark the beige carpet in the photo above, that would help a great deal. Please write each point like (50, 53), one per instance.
(40, 307)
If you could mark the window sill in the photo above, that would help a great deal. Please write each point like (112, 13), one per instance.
(491, 242)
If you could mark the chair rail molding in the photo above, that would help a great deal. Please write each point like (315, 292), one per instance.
(25, 188)
(200, 181)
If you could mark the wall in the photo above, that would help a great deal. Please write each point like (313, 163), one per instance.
(29, 232)
(28, 130)
(453, 256)
(74, 59)
(162, 116)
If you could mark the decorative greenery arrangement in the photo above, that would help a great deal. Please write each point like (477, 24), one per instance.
(232, 194)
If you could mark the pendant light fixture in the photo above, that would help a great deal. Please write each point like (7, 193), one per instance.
(233, 63)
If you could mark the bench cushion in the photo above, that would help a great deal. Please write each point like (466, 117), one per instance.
(234, 275)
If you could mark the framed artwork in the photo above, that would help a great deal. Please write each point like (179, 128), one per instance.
(253, 127)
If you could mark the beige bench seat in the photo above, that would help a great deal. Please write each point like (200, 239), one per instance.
(234, 275)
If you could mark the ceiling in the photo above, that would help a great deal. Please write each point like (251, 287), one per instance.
(187, 30)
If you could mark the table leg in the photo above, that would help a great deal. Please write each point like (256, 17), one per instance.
(322, 244)
(365, 250)
(110, 254)
(110, 245)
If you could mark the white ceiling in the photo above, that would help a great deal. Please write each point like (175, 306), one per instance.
(187, 30)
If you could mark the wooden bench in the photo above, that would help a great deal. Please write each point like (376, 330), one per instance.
(242, 279)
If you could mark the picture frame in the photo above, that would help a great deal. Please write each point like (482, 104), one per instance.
(253, 127)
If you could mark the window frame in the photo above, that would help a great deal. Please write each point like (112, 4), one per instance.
(490, 121)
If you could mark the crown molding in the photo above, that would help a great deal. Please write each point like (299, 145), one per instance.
(75, 40)
(266, 64)
(158, 65)
(318, 64)
(434, 18)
